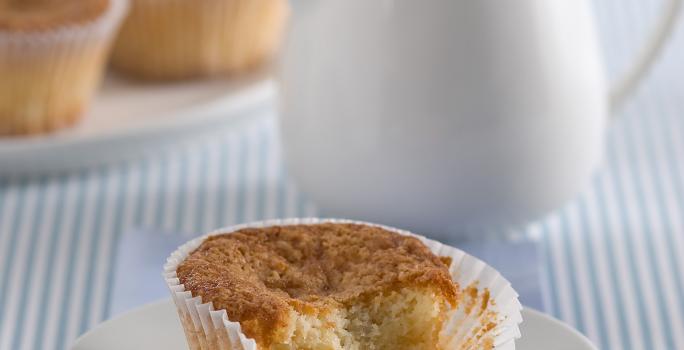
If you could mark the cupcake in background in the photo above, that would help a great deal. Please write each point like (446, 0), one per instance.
(52, 55)
(182, 39)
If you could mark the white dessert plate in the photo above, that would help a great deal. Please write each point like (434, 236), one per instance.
(156, 326)
(129, 118)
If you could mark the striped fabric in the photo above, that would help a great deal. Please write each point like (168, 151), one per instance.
(614, 258)
(614, 264)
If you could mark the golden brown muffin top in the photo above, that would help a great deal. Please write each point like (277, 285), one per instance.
(38, 15)
(257, 275)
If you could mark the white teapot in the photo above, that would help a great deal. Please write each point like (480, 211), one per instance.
(445, 115)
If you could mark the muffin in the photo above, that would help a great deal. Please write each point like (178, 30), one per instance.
(330, 285)
(181, 39)
(52, 55)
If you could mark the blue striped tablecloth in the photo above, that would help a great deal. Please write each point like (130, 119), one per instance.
(613, 258)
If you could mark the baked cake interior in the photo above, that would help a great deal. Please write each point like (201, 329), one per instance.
(405, 319)
(327, 286)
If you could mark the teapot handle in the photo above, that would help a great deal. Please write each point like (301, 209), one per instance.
(647, 55)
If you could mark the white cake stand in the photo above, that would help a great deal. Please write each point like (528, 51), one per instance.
(128, 118)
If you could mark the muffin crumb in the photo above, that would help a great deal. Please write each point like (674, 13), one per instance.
(332, 286)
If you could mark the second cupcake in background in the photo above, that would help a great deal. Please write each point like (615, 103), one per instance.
(52, 56)
(183, 39)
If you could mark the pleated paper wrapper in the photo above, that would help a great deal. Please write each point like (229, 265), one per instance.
(488, 315)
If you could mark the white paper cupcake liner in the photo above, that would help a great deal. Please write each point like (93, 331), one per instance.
(488, 315)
